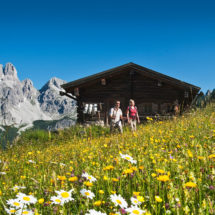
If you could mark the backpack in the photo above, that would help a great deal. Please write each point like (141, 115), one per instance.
(132, 117)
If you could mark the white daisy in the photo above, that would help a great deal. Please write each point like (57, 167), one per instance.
(31, 161)
(134, 210)
(26, 199)
(87, 193)
(15, 203)
(2, 173)
(128, 158)
(94, 212)
(88, 177)
(11, 210)
(119, 201)
(24, 212)
(15, 188)
(135, 201)
(56, 200)
(65, 196)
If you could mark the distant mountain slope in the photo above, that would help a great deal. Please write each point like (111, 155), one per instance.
(22, 104)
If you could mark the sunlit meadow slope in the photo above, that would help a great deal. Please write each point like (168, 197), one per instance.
(164, 168)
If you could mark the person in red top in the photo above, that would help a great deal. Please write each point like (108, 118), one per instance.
(132, 115)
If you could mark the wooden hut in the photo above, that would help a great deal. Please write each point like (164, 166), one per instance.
(153, 92)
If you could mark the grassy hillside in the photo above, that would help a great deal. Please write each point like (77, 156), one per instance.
(171, 169)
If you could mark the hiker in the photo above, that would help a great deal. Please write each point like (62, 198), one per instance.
(132, 115)
(116, 117)
(176, 108)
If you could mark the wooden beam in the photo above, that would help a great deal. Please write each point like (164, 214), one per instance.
(66, 94)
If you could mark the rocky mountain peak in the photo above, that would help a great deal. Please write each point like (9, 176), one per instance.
(22, 104)
(53, 83)
(9, 72)
(1, 71)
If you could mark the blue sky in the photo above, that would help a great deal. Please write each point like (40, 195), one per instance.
(72, 39)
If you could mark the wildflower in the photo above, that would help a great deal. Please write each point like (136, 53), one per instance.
(94, 212)
(41, 201)
(24, 212)
(97, 203)
(73, 179)
(87, 193)
(128, 158)
(190, 184)
(101, 191)
(15, 203)
(61, 178)
(135, 201)
(140, 198)
(153, 175)
(26, 199)
(56, 200)
(158, 199)
(160, 171)
(65, 196)
(2, 173)
(15, 188)
(11, 210)
(163, 178)
(118, 201)
(88, 184)
(31, 161)
(128, 171)
(190, 154)
(108, 168)
(136, 193)
(211, 156)
(89, 177)
(134, 210)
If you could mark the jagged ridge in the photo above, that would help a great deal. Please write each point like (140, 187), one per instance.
(22, 104)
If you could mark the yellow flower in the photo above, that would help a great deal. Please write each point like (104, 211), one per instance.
(113, 192)
(127, 171)
(160, 171)
(73, 179)
(97, 203)
(61, 178)
(136, 193)
(190, 154)
(211, 156)
(115, 179)
(0, 193)
(153, 174)
(108, 168)
(140, 198)
(41, 201)
(190, 184)
(163, 178)
(88, 184)
(105, 178)
(158, 199)
(101, 191)
(23, 177)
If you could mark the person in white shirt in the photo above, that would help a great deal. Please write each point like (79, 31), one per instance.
(116, 117)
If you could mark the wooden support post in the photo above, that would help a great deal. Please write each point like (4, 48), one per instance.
(131, 84)
(80, 109)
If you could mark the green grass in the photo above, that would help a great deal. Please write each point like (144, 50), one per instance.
(169, 154)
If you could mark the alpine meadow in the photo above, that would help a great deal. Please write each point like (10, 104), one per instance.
(165, 167)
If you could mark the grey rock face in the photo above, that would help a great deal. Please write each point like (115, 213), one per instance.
(1, 72)
(52, 103)
(21, 103)
(10, 71)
